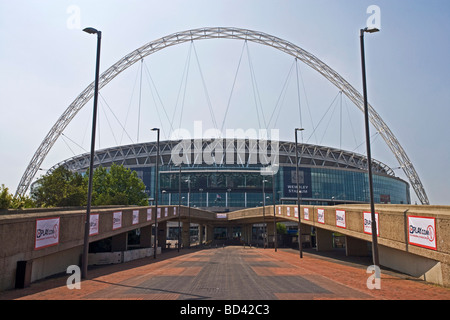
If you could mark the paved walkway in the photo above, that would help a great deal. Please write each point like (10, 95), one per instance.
(231, 273)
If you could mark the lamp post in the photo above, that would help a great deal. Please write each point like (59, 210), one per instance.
(369, 156)
(156, 192)
(275, 240)
(179, 208)
(91, 164)
(189, 210)
(264, 213)
(300, 249)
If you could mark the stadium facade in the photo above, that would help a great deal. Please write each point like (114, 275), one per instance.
(225, 175)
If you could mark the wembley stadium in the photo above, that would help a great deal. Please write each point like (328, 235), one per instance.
(236, 179)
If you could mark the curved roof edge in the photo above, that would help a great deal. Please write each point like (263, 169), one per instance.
(247, 150)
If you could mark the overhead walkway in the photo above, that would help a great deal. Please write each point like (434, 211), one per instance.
(412, 239)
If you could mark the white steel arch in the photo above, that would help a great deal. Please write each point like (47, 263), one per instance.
(222, 33)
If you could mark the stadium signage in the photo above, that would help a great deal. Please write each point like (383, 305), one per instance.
(367, 218)
(47, 233)
(93, 224)
(340, 219)
(422, 232)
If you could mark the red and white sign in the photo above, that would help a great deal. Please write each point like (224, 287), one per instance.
(296, 212)
(306, 213)
(321, 215)
(149, 214)
(288, 211)
(47, 233)
(279, 210)
(117, 220)
(422, 232)
(367, 219)
(135, 216)
(94, 220)
(340, 219)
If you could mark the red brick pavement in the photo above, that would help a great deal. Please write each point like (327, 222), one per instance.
(179, 273)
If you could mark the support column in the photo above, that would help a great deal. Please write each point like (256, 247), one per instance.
(200, 233)
(119, 242)
(209, 233)
(162, 235)
(356, 247)
(185, 230)
(324, 240)
(146, 237)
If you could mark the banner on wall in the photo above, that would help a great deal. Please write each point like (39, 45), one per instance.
(166, 212)
(117, 220)
(47, 233)
(321, 215)
(340, 219)
(158, 213)
(422, 232)
(94, 220)
(149, 214)
(367, 216)
(296, 212)
(306, 213)
(135, 216)
(174, 211)
(288, 211)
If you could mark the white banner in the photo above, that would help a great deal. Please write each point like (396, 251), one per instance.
(279, 210)
(47, 233)
(296, 212)
(422, 232)
(306, 213)
(159, 213)
(288, 211)
(321, 215)
(368, 223)
(94, 220)
(149, 214)
(117, 220)
(174, 211)
(340, 219)
(135, 216)
(166, 212)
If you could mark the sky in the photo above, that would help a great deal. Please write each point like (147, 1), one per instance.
(46, 61)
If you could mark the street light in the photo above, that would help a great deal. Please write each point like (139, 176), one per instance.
(179, 207)
(189, 210)
(264, 213)
(369, 157)
(91, 164)
(156, 192)
(300, 249)
(275, 241)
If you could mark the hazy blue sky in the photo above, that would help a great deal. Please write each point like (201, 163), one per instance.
(46, 61)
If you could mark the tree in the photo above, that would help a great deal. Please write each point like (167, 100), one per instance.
(5, 198)
(8, 201)
(281, 228)
(117, 186)
(60, 188)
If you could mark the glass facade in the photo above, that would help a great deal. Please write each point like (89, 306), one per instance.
(235, 187)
